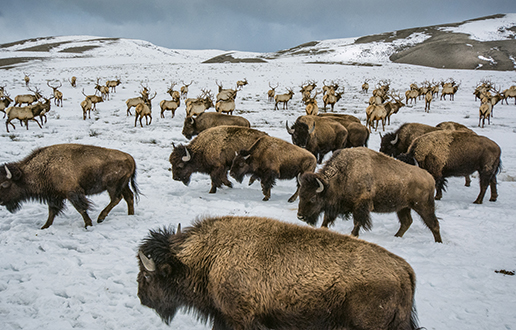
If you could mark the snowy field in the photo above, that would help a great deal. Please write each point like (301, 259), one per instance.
(69, 277)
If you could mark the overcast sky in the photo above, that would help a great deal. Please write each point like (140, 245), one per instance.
(257, 25)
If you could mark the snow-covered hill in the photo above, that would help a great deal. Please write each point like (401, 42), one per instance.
(68, 277)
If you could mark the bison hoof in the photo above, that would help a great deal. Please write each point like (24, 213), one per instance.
(477, 202)
(292, 199)
(266, 198)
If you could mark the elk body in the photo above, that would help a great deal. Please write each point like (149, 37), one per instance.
(241, 83)
(144, 110)
(4, 103)
(484, 111)
(112, 84)
(73, 81)
(27, 98)
(58, 95)
(94, 99)
(271, 92)
(184, 90)
(331, 99)
(23, 114)
(86, 107)
(194, 107)
(171, 105)
(283, 98)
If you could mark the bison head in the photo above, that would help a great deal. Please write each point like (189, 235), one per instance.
(240, 166)
(182, 164)
(300, 133)
(389, 144)
(189, 128)
(10, 192)
(161, 274)
(312, 194)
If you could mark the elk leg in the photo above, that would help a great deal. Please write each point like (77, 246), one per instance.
(405, 221)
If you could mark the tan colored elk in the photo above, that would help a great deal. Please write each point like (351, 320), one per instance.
(112, 84)
(103, 90)
(510, 93)
(173, 94)
(331, 99)
(86, 107)
(58, 95)
(27, 98)
(272, 92)
(225, 94)
(428, 100)
(365, 86)
(4, 102)
(94, 99)
(283, 98)
(144, 110)
(195, 107)
(449, 88)
(26, 79)
(485, 111)
(226, 106)
(184, 89)
(241, 83)
(171, 105)
(73, 81)
(311, 105)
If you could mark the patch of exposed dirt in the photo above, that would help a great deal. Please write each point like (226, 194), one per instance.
(8, 63)
(228, 58)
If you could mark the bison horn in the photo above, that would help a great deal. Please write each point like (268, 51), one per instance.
(393, 142)
(148, 263)
(289, 130)
(321, 186)
(8, 174)
(187, 157)
(178, 231)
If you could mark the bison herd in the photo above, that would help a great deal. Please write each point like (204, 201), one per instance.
(260, 273)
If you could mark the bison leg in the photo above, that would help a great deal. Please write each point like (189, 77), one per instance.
(54, 208)
(81, 204)
(405, 221)
(494, 192)
(129, 199)
(361, 217)
(427, 213)
(219, 177)
(114, 202)
(485, 181)
(468, 181)
(328, 220)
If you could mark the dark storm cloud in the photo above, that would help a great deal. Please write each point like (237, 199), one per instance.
(231, 24)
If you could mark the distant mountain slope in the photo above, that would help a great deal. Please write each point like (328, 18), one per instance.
(486, 43)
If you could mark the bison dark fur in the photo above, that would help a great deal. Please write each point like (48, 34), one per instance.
(447, 153)
(271, 158)
(318, 135)
(259, 273)
(212, 152)
(358, 181)
(193, 126)
(394, 144)
(69, 171)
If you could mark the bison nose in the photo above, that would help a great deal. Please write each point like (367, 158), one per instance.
(300, 217)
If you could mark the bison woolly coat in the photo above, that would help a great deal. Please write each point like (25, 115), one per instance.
(259, 273)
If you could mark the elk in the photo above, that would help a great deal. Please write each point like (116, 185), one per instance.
(171, 105)
(241, 83)
(449, 88)
(283, 98)
(173, 94)
(133, 102)
(73, 81)
(40, 109)
(225, 94)
(375, 113)
(184, 90)
(311, 105)
(194, 107)
(111, 84)
(411, 95)
(27, 98)
(94, 99)
(308, 87)
(428, 99)
(225, 106)
(144, 109)
(86, 106)
(365, 86)
(23, 114)
(26, 79)
(329, 89)
(103, 90)
(58, 95)
(510, 93)
(4, 103)
(2, 91)
(485, 111)
(393, 106)
(271, 92)
(331, 99)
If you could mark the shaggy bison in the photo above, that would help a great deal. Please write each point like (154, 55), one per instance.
(456, 153)
(212, 152)
(358, 181)
(193, 126)
(69, 171)
(259, 273)
(270, 158)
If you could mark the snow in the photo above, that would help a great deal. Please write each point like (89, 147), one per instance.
(69, 277)
(487, 29)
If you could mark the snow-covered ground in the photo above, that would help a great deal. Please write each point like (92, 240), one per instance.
(69, 277)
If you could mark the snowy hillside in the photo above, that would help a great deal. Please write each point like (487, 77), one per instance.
(68, 277)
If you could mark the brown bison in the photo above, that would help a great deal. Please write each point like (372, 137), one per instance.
(358, 134)
(212, 152)
(270, 158)
(456, 153)
(358, 181)
(318, 135)
(260, 273)
(69, 171)
(193, 126)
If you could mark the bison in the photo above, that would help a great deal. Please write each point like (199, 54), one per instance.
(69, 171)
(270, 158)
(358, 134)
(318, 135)
(359, 180)
(446, 153)
(260, 273)
(193, 126)
(212, 152)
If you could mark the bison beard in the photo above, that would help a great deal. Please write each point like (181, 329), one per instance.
(260, 273)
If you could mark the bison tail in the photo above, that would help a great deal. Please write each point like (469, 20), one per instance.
(134, 187)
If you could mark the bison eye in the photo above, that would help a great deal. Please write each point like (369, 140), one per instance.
(5, 184)
(313, 199)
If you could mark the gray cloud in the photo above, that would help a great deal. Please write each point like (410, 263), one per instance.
(231, 24)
